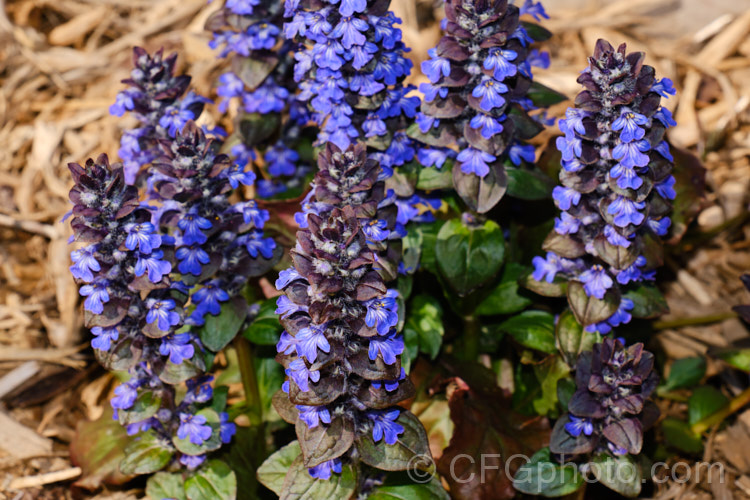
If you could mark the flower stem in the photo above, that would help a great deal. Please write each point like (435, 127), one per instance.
(249, 379)
(734, 405)
(471, 338)
(695, 320)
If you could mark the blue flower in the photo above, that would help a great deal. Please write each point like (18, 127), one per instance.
(573, 165)
(142, 236)
(104, 337)
(489, 125)
(194, 427)
(242, 7)
(388, 346)
(663, 149)
(376, 229)
(627, 177)
(390, 385)
(630, 123)
(308, 340)
(567, 224)
(573, 121)
(256, 243)
(96, 296)
(174, 119)
(287, 276)
(665, 116)
(546, 268)
(227, 429)
(155, 266)
(432, 157)
(286, 344)
(192, 226)
(534, 9)
(518, 152)
(123, 102)
(125, 395)
(631, 154)
(664, 87)
(313, 415)
(616, 238)
(209, 297)
(436, 67)
(569, 145)
(431, 92)
(385, 425)
(499, 60)
(633, 273)
(199, 389)
(285, 307)
(578, 425)
(281, 160)
(596, 281)
(268, 98)
(192, 258)
(622, 315)
(373, 126)
(665, 188)
(427, 122)
(474, 161)
(382, 312)
(349, 30)
(162, 312)
(489, 90)
(626, 211)
(324, 470)
(178, 347)
(299, 372)
(84, 263)
(237, 175)
(566, 197)
(192, 462)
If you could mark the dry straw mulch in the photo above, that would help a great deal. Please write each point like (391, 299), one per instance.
(60, 66)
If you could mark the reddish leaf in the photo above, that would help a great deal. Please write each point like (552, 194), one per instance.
(690, 187)
(487, 433)
(97, 448)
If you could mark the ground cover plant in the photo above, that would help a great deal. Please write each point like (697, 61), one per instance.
(341, 274)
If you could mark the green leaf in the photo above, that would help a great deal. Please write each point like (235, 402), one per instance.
(620, 474)
(270, 377)
(543, 96)
(147, 453)
(505, 298)
(273, 471)
(678, 434)
(536, 31)
(739, 358)
(558, 287)
(468, 257)
(533, 329)
(705, 401)
(549, 372)
(300, 485)
(566, 387)
(219, 330)
(685, 372)
(393, 457)
(433, 178)
(430, 490)
(590, 310)
(145, 406)
(426, 320)
(429, 234)
(544, 476)
(210, 444)
(572, 339)
(527, 184)
(166, 485)
(98, 448)
(265, 328)
(244, 456)
(648, 302)
(214, 481)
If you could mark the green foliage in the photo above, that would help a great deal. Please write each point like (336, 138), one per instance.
(469, 256)
(213, 481)
(506, 297)
(424, 325)
(685, 372)
(412, 443)
(621, 474)
(145, 454)
(705, 401)
(219, 330)
(532, 329)
(265, 329)
(572, 339)
(678, 434)
(543, 475)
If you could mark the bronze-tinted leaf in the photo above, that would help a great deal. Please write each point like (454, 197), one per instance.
(481, 193)
(324, 442)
